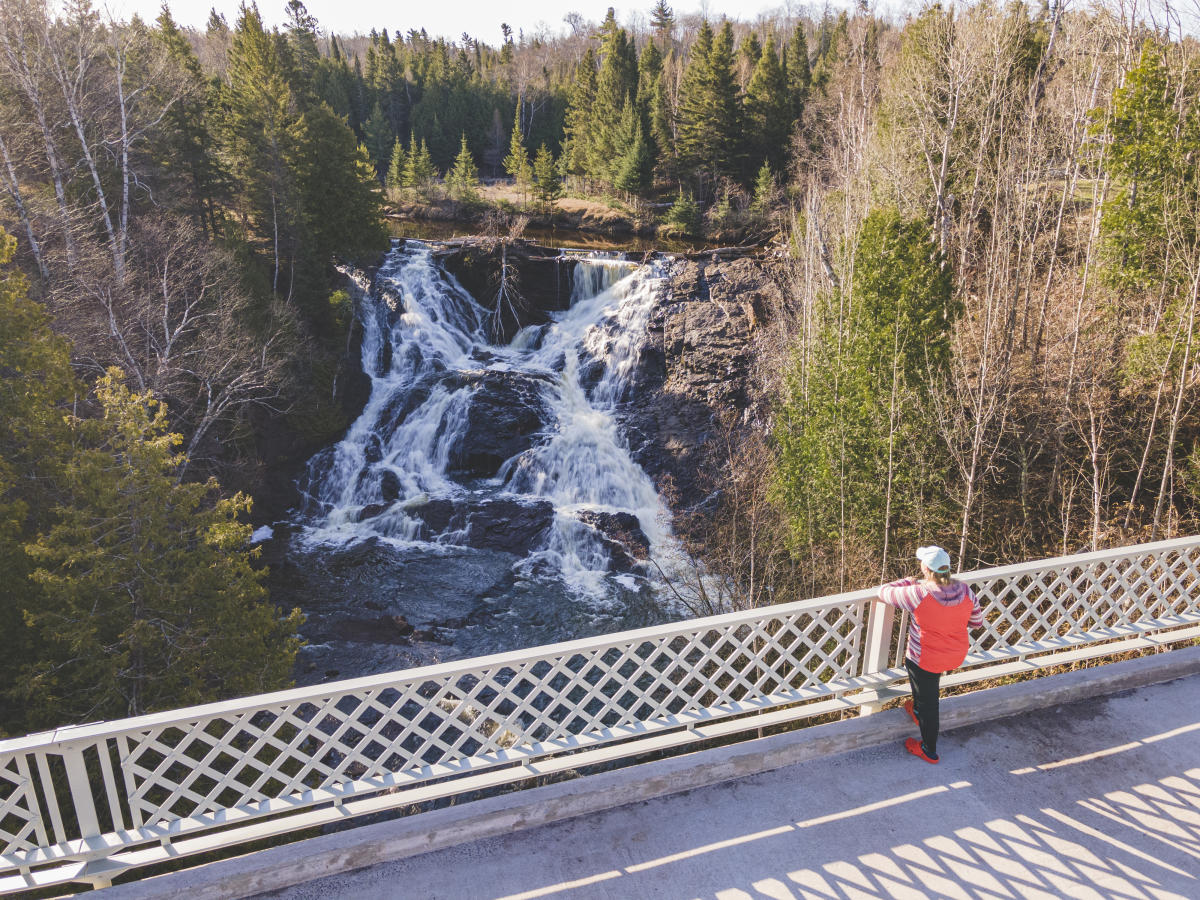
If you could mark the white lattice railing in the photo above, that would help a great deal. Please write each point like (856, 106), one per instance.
(88, 802)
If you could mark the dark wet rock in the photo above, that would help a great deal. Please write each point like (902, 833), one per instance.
(506, 415)
(620, 527)
(390, 488)
(511, 526)
(373, 451)
(371, 510)
(399, 408)
(543, 276)
(435, 514)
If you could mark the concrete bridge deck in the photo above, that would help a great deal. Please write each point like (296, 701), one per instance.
(1083, 785)
(1097, 798)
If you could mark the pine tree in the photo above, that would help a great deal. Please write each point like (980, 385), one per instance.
(662, 128)
(616, 83)
(150, 599)
(577, 127)
(377, 136)
(764, 191)
(633, 169)
(768, 108)
(261, 141)
(395, 173)
(187, 145)
(546, 182)
(866, 392)
(339, 190)
(662, 20)
(799, 76)
(463, 178)
(36, 388)
(517, 162)
(709, 127)
(419, 170)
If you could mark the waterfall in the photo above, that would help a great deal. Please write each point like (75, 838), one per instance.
(432, 368)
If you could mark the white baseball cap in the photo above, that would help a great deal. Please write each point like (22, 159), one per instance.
(935, 557)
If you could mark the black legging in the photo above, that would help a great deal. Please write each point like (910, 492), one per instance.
(925, 703)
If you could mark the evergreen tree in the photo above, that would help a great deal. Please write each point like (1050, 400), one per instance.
(633, 168)
(662, 20)
(858, 427)
(378, 138)
(547, 185)
(339, 190)
(683, 217)
(616, 84)
(709, 127)
(149, 596)
(764, 191)
(799, 76)
(395, 174)
(662, 129)
(186, 149)
(36, 387)
(748, 53)
(577, 128)
(419, 170)
(463, 178)
(517, 162)
(261, 137)
(768, 108)
(1154, 210)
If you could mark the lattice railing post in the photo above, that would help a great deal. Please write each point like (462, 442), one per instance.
(81, 791)
(877, 654)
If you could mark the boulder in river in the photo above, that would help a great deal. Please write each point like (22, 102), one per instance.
(620, 527)
(505, 417)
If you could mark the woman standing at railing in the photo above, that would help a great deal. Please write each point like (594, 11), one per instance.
(941, 612)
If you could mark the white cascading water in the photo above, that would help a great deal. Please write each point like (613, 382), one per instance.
(581, 462)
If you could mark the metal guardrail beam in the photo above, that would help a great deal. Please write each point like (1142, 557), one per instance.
(84, 803)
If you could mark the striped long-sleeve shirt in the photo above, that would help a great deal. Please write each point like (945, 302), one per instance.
(907, 593)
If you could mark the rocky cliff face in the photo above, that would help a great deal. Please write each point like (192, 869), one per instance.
(697, 368)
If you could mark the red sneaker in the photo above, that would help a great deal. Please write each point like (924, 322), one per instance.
(913, 746)
(908, 708)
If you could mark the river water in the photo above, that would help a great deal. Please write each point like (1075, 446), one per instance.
(422, 536)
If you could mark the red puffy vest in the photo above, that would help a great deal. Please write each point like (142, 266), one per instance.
(944, 638)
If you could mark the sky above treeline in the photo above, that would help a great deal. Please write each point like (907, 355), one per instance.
(479, 18)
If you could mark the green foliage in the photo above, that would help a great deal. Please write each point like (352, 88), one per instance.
(517, 164)
(764, 191)
(769, 111)
(36, 386)
(709, 114)
(463, 178)
(124, 589)
(1153, 212)
(378, 138)
(633, 166)
(395, 172)
(855, 420)
(799, 76)
(419, 170)
(149, 598)
(683, 218)
(340, 194)
(547, 185)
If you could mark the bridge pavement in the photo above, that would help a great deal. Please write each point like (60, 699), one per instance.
(1092, 799)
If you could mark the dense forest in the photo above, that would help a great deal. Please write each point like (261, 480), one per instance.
(988, 219)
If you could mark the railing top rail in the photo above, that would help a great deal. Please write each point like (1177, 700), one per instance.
(72, 734)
